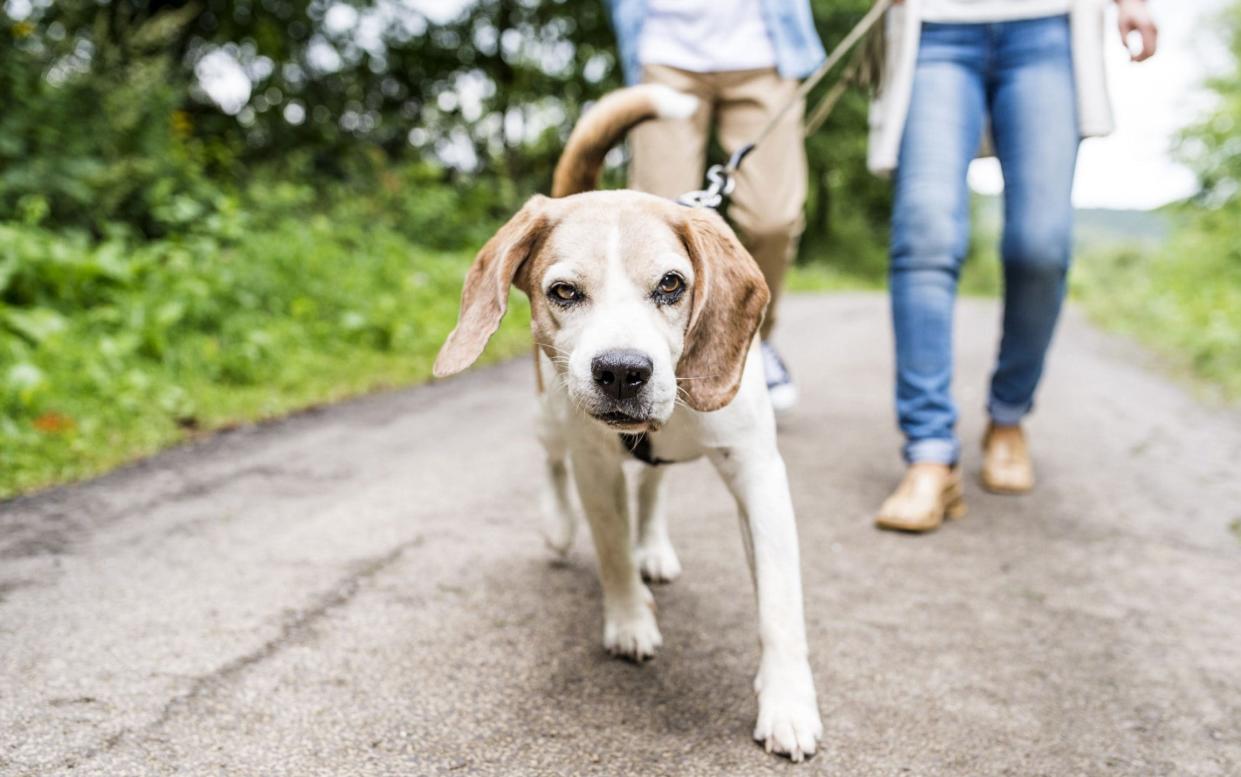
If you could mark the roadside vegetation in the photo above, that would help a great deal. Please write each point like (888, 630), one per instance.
(117, 347)
(1184, 297)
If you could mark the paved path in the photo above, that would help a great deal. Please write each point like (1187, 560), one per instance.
(362, 590)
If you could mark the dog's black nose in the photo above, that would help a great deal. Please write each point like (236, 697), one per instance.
(621, 374)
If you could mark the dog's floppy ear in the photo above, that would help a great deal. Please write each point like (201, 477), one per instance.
(730, 297)
(485, 295)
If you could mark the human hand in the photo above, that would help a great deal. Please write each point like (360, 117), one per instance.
(1135, 16)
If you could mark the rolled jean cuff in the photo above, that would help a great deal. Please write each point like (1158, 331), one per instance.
(1004, 414)
(935, 450)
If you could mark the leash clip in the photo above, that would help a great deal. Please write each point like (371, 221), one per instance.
(721, 184)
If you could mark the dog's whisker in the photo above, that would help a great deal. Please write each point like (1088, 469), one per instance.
(553, 348)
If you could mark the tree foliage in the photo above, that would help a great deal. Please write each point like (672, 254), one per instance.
(110, 120)
(1212, 146)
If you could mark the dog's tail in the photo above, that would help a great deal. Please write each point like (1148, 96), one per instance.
(605, 124)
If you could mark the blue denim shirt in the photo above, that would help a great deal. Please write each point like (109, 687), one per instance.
(789, 23)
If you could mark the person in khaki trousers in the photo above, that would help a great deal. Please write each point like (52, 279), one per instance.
(742, 59)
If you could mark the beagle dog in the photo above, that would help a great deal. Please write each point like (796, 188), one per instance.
(644, 315)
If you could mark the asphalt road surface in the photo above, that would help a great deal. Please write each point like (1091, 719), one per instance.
(362, 590)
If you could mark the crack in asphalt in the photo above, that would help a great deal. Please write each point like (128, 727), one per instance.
(52, 529)
(295, 628)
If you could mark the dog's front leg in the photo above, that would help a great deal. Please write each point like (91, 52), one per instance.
(629, 627)
(788, 712)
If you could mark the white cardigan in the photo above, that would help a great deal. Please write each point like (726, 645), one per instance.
(904, 27)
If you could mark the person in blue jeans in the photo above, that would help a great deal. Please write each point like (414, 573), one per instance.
(1006, 65)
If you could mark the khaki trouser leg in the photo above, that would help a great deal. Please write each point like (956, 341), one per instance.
(669, 158)
(768, 202)
(669, 155)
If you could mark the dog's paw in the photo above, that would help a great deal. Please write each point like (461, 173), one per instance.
(631, 631)
(658, 562)
(559, 529)
(558, 538)
(788, 713)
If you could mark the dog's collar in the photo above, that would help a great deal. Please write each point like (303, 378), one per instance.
(638, 446)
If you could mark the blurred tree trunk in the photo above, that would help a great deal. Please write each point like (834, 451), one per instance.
(821, 205)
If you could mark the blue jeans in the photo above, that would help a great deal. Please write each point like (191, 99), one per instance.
(1020, 74)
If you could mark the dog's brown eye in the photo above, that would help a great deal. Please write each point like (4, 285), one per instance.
(564, 293)
(671, 284)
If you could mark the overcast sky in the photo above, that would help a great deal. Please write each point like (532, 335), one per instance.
(1134, 167)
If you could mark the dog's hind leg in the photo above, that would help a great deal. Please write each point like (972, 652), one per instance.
(561, 522)
(656, 559)
(629, 627)
(560, 515)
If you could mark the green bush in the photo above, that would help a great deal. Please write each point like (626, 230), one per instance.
(112, 348)
(1183, 298)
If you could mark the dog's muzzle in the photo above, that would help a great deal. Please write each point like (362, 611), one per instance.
(620, 376)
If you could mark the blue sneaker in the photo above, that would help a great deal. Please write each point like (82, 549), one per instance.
(779, 382)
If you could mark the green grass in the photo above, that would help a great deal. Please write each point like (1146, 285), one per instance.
(120, 348)
(1182, 299)
(819, 277)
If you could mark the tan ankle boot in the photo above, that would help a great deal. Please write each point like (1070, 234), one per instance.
(1006, 465)
(927, 495)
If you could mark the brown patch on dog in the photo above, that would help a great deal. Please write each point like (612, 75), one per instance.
(730, 297)
(484, 298)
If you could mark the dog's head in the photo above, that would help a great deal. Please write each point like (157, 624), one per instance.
(638, 301)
